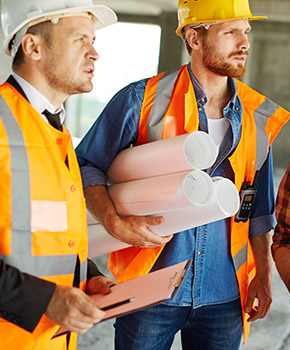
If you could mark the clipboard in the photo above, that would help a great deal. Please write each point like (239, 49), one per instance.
(141, 292)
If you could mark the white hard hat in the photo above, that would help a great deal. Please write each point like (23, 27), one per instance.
(16, 15)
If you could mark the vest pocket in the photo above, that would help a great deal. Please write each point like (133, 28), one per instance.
(48, 216)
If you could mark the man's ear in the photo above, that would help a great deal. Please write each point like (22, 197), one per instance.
(193, 39)
(31, 46)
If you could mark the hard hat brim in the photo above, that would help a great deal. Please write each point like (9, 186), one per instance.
(102, 17)
(216, 21)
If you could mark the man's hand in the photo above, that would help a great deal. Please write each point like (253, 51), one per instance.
(134, 231)
(72, 309)
(100, 284)
(260, 289)
(261, 286)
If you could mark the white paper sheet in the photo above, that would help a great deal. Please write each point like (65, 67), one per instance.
(177, 154)
(224, 203)
(162, 193)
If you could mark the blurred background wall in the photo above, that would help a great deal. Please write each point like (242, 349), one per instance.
(268, 69)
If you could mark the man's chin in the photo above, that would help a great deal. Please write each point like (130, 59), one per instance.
(85, 88)
(237, 72)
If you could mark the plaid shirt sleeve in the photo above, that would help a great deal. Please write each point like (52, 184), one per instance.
(281, 236)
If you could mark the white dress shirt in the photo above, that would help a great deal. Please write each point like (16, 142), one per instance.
(37, 100)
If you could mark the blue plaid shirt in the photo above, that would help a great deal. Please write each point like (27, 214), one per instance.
(211, 278)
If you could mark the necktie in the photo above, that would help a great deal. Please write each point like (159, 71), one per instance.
(53, 119)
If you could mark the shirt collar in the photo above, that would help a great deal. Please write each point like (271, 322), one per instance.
(37, 100)
(200, 95)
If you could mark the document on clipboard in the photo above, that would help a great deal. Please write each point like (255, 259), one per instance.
(140, 292)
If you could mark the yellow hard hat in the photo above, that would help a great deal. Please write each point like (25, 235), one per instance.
(211, 11)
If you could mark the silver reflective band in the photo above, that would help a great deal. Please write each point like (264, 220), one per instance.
(20, 184)
(241, 257)
(83, 270)
(261, 116)
(50, 265)
(160, 104)
(21, 234)
(16, 41)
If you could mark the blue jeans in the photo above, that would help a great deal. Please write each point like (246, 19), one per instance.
(215, 327)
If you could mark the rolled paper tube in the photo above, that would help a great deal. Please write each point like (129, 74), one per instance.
(224, 203)
(162, 193)
(90, 219)
(186, 152)
(101, 242)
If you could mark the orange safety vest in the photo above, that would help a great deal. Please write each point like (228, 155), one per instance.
(43, 216)
(169, 109)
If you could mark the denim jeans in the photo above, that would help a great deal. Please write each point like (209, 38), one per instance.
(215, 327)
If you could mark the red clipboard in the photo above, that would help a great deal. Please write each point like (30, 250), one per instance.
(140, 292)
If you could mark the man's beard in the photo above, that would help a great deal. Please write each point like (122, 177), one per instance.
(216, 62)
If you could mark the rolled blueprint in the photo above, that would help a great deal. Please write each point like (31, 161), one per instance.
(162, 193)
(90, 219)
(186, 152)
(224, 203)
(101, 242)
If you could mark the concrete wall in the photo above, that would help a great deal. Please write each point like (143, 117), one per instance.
(268, 72)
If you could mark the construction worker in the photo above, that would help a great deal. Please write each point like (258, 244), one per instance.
(44, 272)
(232, 266)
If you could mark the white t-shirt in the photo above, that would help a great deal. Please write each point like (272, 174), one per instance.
(217, 129)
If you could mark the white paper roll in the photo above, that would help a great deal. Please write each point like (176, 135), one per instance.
(224, 203)
(162, 193)
(101, 242)
(90, 219)
(186, 152)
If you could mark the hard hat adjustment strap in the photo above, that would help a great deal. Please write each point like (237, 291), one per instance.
(16, 41)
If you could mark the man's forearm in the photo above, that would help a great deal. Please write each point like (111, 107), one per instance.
(282, 261)
(100, 205)
(260, 287)
(261, 246)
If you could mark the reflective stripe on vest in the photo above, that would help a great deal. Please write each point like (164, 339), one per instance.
(241, 257)
(21, 233)
(160, 105)
(261, 115)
